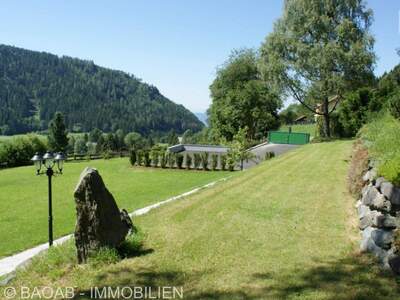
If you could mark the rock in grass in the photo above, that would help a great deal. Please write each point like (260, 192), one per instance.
(99, 221)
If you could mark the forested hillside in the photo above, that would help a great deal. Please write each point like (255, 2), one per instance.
(34, 85)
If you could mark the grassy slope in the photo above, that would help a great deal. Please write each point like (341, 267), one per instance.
(283, 230)
(23, 196)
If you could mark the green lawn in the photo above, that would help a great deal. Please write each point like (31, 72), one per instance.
(23, 196)
(285, 229)
(304, 128)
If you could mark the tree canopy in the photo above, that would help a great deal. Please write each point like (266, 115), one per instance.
(319, 49)
(241, 99)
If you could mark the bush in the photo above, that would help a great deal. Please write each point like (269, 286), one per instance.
(394, 104)
(223, 162)
(171, 159)
(107, 154)
(231, 159)
(196, 161)
(80, 147)
(19, 151)
(139, 156)
(132, 157)
(382, 138)
(214, 162)
(188, 161)
(354, 111)
(146, 158)
(204, 161)
(269, 155)
(179, 160)
(155, 157)
(163, 159)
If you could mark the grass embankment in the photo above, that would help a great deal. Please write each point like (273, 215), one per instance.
(303, 128)
(382, 138)
(285, 229)
(23, 196)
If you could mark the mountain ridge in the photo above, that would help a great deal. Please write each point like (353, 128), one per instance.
(34, 85)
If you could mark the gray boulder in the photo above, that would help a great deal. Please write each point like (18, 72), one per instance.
(369, 219)
(368, 244)
(386, 221)
(380, 203)
(382, 238)
(99, 221)
(391, 192)
(379, 181)
(369, 175)
(369, 195)
(362, 210)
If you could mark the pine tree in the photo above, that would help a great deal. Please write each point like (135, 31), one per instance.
(57, 139)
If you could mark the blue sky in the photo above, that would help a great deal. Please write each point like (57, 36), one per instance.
(175, 45)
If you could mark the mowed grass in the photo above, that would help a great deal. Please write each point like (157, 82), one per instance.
(24, 200)
(283, 230)
(303, 128)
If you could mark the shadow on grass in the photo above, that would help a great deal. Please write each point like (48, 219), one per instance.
(353, 277)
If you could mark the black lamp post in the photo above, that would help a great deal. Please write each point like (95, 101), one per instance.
(48, 160)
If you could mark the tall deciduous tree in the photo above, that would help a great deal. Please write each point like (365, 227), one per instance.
(240, 99)
(319, 49)
(58, 139)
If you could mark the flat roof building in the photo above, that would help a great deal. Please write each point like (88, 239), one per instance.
(190, 148)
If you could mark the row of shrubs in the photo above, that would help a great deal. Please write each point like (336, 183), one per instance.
(166, 159)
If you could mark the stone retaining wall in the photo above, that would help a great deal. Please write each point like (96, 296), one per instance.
(379, 215)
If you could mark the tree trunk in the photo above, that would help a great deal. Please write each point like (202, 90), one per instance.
(327, 127)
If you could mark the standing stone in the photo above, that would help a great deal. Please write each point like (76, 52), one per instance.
(99, 221)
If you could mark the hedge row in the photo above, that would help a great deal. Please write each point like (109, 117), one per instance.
(166, 159)
(19, 151)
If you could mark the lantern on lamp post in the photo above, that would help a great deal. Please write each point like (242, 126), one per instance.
(48, 161)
